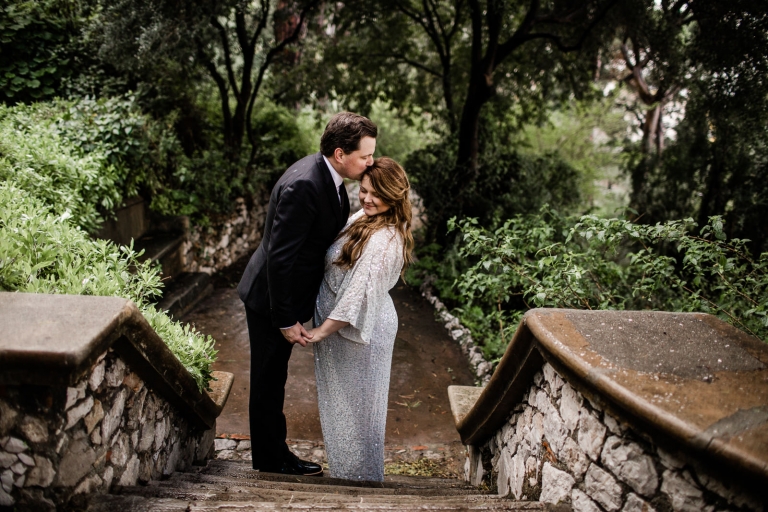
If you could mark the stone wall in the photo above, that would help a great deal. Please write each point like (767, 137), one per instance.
(214, 247)
(558, 446)
(109, 429)
(480, 367)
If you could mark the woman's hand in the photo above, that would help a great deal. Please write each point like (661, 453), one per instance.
(316, 335)
(327, 328)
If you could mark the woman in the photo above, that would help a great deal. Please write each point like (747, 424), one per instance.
(358, 323)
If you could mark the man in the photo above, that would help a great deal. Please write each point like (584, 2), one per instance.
(307, 209)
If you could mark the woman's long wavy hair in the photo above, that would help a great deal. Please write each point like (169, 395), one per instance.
(391, 185)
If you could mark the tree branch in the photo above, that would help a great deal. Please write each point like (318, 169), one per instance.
(402, 58)
(518, 38)
(227, 54)
(263, 68)
(556, 39)
(222, 86)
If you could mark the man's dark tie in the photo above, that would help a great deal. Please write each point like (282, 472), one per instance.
(343, 195)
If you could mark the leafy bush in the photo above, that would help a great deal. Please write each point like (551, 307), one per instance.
(43, 252)
(549, 260)
(143, 150)
(507, 183)
(36, 158)
(33, 38)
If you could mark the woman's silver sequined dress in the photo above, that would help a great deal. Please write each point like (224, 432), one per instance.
(352, 366)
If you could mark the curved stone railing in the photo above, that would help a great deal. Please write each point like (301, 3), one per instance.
(91, 397)
(624, 410)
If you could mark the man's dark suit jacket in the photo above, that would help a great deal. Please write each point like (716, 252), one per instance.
(284, 274)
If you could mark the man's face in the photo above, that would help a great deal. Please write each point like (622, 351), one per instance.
(351, 165)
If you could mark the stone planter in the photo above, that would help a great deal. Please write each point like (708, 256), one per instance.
(630, 411)
(92, 398)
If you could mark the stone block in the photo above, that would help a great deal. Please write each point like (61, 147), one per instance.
(15, 445)
(8, 459)
(75, 394)
(7, 417)
(505, 468)
(76, 463)
(78, 412)
(161, 431)
(552, 378)
(42, 474)
(147, 436)
(580, 502)
(684, 496)
(6, 500)
(575, 459)
(34, 429)
(556, 485)
(26, 459)
(669, 460)
(627, 461)
(173, 459)
(225, 444)
(603, 488)
(6, 479)
(517, 476)
(113, 418)
(537, 430)
(636, 504)
(88, 485)
(570, 407)
(243, 445)
(19, 468)
(591, 434)
(120, 450)
(554, 430)
(97, 376)
(94, 416)
(107, 477)
(614, 427)
(131, 474)
(115, 373)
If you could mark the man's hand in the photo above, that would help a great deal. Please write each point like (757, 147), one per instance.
(296, 334)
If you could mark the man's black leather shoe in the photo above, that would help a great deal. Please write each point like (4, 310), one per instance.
(295, 466)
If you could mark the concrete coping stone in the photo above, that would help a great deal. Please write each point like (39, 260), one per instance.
(54, 340)
(689, 378)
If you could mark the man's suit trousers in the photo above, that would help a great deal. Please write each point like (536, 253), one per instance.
(270, 353)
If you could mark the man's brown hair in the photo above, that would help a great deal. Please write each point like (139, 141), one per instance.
(345, 130)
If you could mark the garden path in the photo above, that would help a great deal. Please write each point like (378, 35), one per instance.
(425, 362)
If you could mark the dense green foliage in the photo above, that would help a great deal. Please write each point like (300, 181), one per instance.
(35, 157)
(44, 252)
(34, 49)
(508, 182)
(587, 262)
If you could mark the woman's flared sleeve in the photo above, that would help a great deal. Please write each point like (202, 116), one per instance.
(366, 286)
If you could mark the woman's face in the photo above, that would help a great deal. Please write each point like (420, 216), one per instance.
(370, 202)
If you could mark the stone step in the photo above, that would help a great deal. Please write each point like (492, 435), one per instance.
(164, 248)
(218, 484)
(224, 492)
(184, 292)
(243, 470)
(110, 503)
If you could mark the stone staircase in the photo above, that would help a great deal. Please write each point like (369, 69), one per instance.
(233, 485)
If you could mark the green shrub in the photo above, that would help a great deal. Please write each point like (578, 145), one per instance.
(548, 260)
(507, 183)
(33, 48)
(43, 252)
(35, 157)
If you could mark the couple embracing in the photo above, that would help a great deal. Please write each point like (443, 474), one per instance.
(315, 260)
